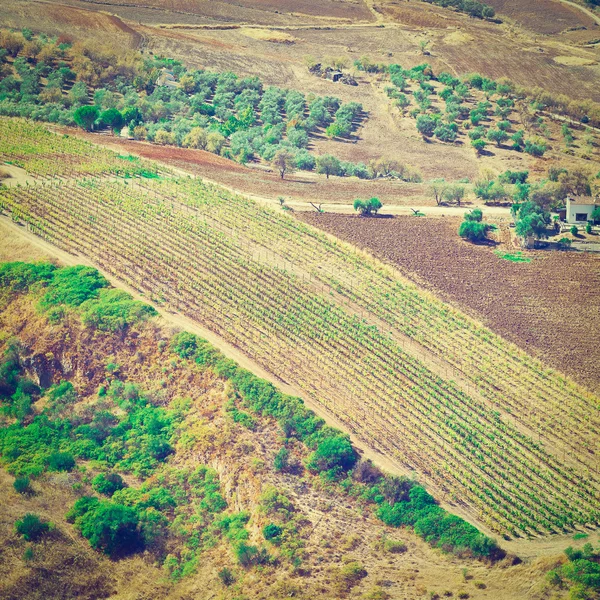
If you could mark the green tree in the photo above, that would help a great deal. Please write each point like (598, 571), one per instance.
(497, 135)
(113, 118)
(473, 231)
(85, 116)
(426, 125)
(328, 165)
(479, 146)
(108, 483)
(367, 207)
(334, 453)
(454, 193)
(22, 486)
(281, 460)
(475, 215)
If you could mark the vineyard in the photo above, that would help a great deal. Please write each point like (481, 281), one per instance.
(482, 422)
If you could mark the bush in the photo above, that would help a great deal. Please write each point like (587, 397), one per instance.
(475, 215)
(272, 531)
(22, 486)
(574, 230)
(31, 527)
(368, 207)
(227, 577)
(108, 526)
(473, 231)
(334, 453)
(281, 460)
(61, 461)
(72, 286)
(108, 483)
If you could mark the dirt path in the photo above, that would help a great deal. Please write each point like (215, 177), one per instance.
(588, 12)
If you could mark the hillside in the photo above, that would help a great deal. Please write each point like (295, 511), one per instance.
(299, 299)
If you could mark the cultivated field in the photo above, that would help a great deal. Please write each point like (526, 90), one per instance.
(415, 379)
(548, 305)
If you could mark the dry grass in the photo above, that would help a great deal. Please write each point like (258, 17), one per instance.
(269, 35)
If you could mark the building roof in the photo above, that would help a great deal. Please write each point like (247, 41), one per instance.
(583, 201)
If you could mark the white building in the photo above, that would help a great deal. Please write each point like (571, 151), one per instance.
(579, 210)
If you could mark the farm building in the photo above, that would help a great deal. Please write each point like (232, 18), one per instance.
(167, 79)
(334, 75)
(580, 209)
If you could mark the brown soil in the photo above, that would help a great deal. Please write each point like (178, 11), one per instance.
(549, 307)
(533, 14)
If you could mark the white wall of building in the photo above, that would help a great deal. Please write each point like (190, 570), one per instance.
(578, 213)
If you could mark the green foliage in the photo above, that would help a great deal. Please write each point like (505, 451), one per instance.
(474, 215)
(574, 230)
(473, 231)
(272, 532)
(114, 310)
(328, 165)
(31, 527)
(531, 220)
(22, 486)
(20, 276)
(113, 118)
(426, 125)
(368, 207)
(581, 574)
(516, 257)
(85, 116)
(108, 483)
(108, 526)
(281, 460)
(436, 526)
(227, 577)
(71, 286)
(61, 461)
(333, 454)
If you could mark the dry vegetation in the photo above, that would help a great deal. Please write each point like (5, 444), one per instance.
(335, 531)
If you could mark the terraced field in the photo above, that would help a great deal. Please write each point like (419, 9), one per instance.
(475, 417)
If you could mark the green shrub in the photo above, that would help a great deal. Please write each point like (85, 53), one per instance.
(114, 310)
(394, 547)
(574, 230)
(108, 483)
(61, 461)
(31, 527)
(227, 577)
(71, 286)
(333, 453)
(108, 526)
(20, 276)
(473, 231)
(281, 460)
(248, 555)
(272, 531)
(22, 486)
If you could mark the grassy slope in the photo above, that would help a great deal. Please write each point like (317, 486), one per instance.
(334, 529)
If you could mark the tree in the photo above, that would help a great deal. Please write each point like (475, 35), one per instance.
(531, 220)
(281, 460)
(479, 146)
(113, 118)
(574, 230)
(31, 527)
(473, 231)
(85, 116)
(367, 207)
(437, 188)
(454, 193)
(497, 135)
(328, 165)
(272, 532)
(284, 161)
(196, 138)
(334, 453)
(61, 461)
(425, 125)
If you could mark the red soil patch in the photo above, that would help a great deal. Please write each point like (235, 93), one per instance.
(542, 16)
(298, 187)
(549, 307)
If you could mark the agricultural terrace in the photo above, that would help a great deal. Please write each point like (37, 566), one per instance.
(480, 421)
(46, 155)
